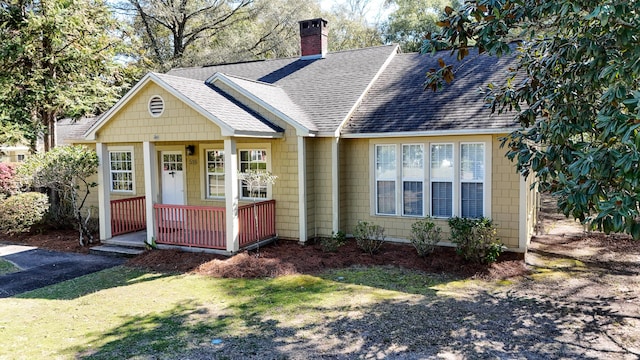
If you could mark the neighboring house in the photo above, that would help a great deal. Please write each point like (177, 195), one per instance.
(351, 136)
(66, 130)
(13, 154)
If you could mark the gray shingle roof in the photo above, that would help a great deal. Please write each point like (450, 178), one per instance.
(276, 97)
(398, 103)
(326, 89)
(220, 105)
(69, 130)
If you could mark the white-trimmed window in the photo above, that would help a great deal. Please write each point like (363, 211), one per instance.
(452, 183)
(472, 177)
(214, 173)
(441, 174)
(386, 175)
(253, 159)
(121, 171)
(413, 180)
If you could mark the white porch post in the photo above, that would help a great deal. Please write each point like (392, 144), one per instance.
(335, 184)
(231, 194)
(150, 187)
(104, 193)
(302, 189)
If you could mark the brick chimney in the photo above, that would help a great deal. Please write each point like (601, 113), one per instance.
(313, 39)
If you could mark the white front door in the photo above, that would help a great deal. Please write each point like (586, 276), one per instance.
(172, 178)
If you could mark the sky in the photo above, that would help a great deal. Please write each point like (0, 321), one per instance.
(375, 11)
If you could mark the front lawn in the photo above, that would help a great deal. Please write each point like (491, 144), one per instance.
(125, 313)
(373, 312)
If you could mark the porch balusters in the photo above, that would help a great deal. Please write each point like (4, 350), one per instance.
(205, 226)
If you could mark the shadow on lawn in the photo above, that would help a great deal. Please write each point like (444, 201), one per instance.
(503, 325)
(101, 280)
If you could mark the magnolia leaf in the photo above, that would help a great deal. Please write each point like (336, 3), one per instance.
(448, 10)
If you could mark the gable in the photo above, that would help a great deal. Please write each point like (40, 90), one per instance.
(232, 118)
(133, 122)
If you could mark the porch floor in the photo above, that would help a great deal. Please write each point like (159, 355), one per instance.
(137, 240)
(133, 240)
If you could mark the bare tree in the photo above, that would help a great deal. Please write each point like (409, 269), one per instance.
(170, 27)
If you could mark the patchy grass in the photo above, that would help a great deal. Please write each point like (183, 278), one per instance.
(128, 313)
(390, 278)
(6, 267)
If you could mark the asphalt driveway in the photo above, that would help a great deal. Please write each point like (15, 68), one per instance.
(42, 268)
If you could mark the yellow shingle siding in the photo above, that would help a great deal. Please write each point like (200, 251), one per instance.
(310, 168)
(322, 187)
(178, 122)
(505, 210)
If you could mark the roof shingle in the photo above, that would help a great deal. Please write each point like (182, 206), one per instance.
(398, 102)
(326, 89)
(220, 105)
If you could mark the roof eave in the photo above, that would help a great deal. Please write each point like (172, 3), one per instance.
(91, 133)
(257, 134)
(459, 132)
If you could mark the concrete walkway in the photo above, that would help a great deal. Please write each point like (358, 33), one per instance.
(40, 268)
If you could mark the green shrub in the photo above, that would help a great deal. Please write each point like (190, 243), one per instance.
(369, 237)
(331, 244)
(425, 235)
(475, 239)
(20, 212)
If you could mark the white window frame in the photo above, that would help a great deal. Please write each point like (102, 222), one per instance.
(122, 149)
(451, 179)
(386, 179)
(473, 181)
(456, 181)
(254, 147)
(207, 187)
(420, 177)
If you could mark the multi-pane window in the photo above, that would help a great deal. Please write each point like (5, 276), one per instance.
(441, 171)
(121, 171)
(456, 179)
(472, 180)
(253, 160)
(172, 162)
(386, 174)
(215, 173)
(413, 180)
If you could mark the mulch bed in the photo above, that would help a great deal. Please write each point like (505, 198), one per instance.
(57, 240)
(288, 257)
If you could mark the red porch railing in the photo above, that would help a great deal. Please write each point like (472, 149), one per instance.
(128, 215)
(266, 215)
(205, 226)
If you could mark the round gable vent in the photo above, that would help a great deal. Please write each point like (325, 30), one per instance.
(156, 106)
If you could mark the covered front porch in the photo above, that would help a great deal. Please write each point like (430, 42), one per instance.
(167, 211)
(202, 227)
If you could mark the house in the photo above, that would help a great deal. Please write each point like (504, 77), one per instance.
(351, 136)
(13, 154)
(67, 130)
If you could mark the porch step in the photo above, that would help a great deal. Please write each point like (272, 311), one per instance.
(130, 240)
(115, 250)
